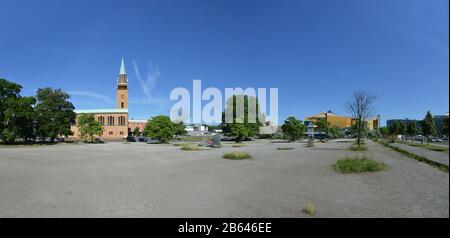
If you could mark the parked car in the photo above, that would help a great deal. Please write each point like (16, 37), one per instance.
(131, 139)
(142, 139)
(153, 141)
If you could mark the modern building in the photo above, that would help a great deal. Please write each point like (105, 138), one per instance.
(115, 121)
(439, 121)
(373, 123)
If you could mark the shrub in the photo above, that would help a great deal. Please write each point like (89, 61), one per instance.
(358, 165)
(237, 155)
(310, 209)
(190, 147)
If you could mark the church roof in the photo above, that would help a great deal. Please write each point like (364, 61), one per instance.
(122, 68)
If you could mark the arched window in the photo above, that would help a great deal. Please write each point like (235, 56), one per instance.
(121, 104)
(122, 121)
(110, 121)
(101, 119)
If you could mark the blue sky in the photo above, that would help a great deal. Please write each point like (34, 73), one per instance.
(315, 52)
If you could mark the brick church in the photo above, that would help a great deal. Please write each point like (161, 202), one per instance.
(115, 121)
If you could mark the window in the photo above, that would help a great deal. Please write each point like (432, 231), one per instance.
(110, 133)
(121, 121)
(101, 119)
(110, 121)
(121, 104)
(121, 133)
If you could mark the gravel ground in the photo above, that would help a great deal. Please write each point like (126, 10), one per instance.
(140, 180)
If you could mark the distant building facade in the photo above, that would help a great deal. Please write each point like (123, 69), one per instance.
(373, 123)
(439, 121)
(115, 122)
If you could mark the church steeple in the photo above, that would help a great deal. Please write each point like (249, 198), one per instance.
(122, 68)
(122, 88)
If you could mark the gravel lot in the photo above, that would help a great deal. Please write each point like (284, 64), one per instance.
(140, 180)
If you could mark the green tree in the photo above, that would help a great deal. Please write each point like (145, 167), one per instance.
(239, 131)
(54, 113)
(428, 126)
(293, 128)
(411, 129)
(384, 131)
(394, 130)
(322, 126)
(445, 127)
(402, 129)
(180, 128)
(16, 114)
(241, 109)
(88, 126)
(136, 131)
(161, 128)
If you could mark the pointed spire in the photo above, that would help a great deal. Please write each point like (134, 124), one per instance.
(122, 68)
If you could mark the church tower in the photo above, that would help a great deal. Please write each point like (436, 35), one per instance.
(122, 88)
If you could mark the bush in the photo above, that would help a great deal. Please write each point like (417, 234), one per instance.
(310, 209)
(358, 165)
(237, 155)
(190, 147)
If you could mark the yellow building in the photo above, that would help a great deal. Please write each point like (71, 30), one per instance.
(115, 121)
(343, 121)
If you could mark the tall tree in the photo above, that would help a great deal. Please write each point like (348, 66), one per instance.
(402, 128)
(322, 126)
(411, 129)
(428, 126)
(89, 127)
(161, 128)
(54, 113)
(445, 127)
(293, 128)
(136, 131)
(249, 106)
(17, 113)
(361, 108)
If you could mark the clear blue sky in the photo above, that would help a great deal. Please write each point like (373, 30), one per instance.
(316, 52)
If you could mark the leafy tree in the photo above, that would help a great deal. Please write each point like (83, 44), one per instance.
(322, 126)
(161, 128)
(361, 108)
(88, 126)
(293, 128)
(247, 107)
(384, 131)
(445, 127)
(428, 126)
(402, 129)
(54, 113)
(239, 131)
(17, 113)
(394, 129)
(180, 129)
(335, 132)
(411, 129)
(136, 131)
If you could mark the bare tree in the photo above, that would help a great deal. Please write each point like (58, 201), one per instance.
(361, 108)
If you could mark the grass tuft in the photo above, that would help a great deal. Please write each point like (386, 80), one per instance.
(190, 147)
(358, 165)
(310, 209)
(237, 155)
